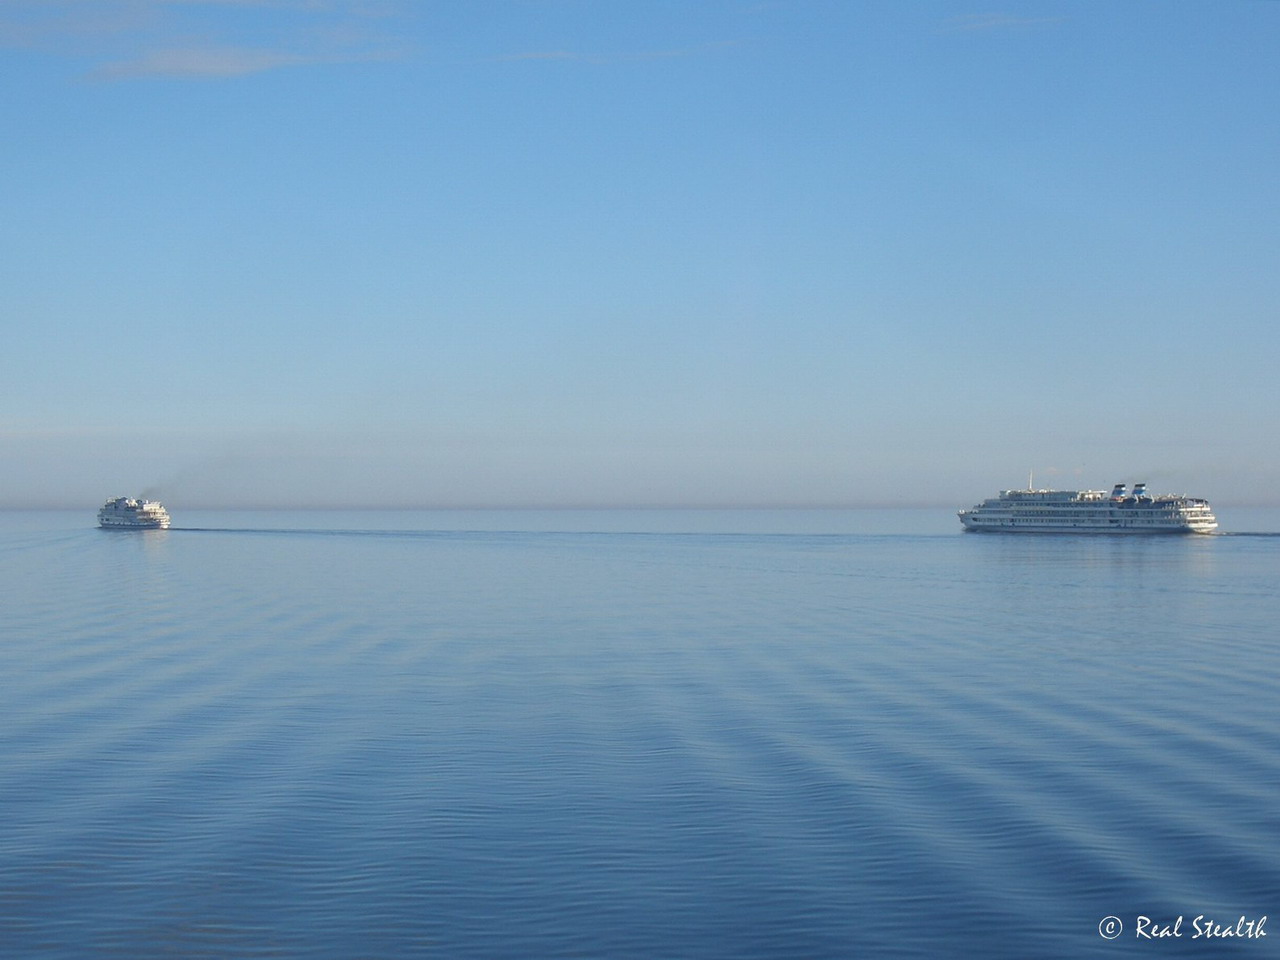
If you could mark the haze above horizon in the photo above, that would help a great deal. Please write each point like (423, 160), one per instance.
(558, 253)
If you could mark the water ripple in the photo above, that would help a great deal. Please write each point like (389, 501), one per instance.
(281, 742)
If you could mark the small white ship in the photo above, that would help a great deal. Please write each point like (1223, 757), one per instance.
(1090, 511)
(126, 513)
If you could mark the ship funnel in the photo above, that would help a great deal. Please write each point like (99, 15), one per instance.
(1139, 489)
(1118, 491)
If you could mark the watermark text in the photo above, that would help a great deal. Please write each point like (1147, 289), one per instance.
(1180, 928)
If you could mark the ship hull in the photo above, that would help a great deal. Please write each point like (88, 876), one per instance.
(1109, 531)
(126, 525)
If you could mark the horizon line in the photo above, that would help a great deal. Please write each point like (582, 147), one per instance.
(568, 507)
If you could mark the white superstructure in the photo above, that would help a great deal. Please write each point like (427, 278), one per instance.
(128, 513)
(1090, 511)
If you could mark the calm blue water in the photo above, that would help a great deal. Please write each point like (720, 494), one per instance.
(635, 735)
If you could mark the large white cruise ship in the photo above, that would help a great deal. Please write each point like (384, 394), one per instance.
(1090, 511)
(126, 513)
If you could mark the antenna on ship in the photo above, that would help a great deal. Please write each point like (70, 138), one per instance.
(1031, 475)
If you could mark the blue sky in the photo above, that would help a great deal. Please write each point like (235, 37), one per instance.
(575, 252)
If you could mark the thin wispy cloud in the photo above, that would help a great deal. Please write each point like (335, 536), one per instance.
(132, 39)
(212, 62)
(971, 22)
(606, 58)
(198, 62)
